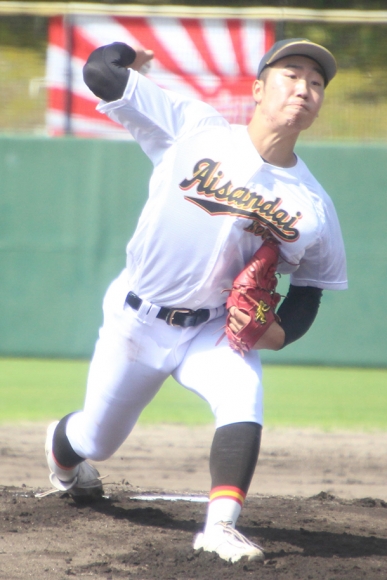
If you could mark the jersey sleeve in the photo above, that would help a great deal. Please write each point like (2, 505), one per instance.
(155, 117)
(323, 265)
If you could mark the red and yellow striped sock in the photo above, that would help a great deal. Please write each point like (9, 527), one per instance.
(225, 504)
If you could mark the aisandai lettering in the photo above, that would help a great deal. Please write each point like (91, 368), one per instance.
(206, 178)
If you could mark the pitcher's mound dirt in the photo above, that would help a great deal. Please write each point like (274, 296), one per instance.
(318, 506)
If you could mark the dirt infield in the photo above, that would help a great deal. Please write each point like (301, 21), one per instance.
(318, 506)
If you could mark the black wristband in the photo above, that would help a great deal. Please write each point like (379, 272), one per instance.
(105, 71)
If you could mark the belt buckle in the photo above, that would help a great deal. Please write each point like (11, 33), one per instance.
(174, 311)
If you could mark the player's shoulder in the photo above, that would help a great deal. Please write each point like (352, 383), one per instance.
(309, 180)
(321, 200)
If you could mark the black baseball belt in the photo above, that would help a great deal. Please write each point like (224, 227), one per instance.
(183, 317)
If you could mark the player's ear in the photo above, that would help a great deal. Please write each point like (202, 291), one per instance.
(257, 90)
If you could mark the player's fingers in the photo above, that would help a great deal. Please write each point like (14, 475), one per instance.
(143, 52)
(232, 324)
(238, 319)
(142, 60)
(240, 316)
(148, 55)
(142, 56)
(233, 327)
(231, 320)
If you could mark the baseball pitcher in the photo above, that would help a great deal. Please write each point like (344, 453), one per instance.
(229, 208)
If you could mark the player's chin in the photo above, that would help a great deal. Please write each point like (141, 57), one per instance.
(300, 120)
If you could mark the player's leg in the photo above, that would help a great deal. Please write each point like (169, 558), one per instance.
(232, 386)
(233, 458)
(117, 392)
(126, 371)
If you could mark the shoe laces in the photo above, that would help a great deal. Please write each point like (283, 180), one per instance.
(229, 529)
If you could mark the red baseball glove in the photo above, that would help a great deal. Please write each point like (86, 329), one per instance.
(253, 292)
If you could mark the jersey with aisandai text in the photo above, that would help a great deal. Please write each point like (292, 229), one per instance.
(211, 197)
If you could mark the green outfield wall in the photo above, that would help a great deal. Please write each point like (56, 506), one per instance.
(68, 207)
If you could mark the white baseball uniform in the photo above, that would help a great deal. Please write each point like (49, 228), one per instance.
(211, 196)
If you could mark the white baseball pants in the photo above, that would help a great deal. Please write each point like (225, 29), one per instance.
(134, 355)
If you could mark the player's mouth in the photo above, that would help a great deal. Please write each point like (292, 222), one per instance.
(299, 105)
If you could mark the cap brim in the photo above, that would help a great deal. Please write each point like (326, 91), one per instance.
(306, 48)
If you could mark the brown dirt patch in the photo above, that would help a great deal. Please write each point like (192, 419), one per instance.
(318, 505)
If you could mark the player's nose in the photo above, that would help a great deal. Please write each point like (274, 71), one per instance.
(302, 89)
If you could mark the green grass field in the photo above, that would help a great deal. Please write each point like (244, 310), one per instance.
(319, 397)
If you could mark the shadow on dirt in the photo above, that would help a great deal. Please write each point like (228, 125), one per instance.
(310, 542)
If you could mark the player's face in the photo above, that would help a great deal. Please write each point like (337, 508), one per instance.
(291, 92)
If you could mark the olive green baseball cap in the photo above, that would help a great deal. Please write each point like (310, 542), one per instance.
(300, 47)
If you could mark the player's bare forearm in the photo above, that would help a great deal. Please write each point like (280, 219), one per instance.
(272, 339)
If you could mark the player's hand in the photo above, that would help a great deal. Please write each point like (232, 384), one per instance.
(142, 62)
(273, 339)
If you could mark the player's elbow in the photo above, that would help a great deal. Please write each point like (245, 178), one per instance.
(108, 89)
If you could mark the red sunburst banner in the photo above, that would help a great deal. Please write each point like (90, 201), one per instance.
(210, 59)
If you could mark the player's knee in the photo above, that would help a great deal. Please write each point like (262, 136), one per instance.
(100, 454)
